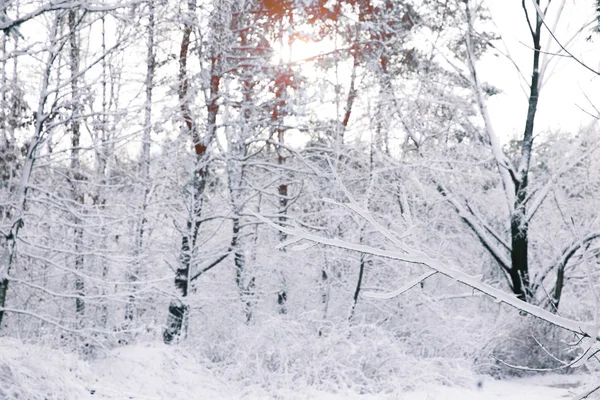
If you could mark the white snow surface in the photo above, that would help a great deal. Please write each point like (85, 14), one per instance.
(155, 371)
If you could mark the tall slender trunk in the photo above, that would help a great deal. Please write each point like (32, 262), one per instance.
(352, 90)
(279, 111)
(519, 226)
(75, 175)
(133, 273)
(3, 98)
(236, 167)
(6, 151)
(363, 257)
(178, 309)
(101, 160)
(518, 271)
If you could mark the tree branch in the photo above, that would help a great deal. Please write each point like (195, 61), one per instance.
(418, 257)
(489, 229)
(7, 25)
(477, 229)
(587, 393)
(398, 292)
(211, 265)
(563, 48)
(565, 256)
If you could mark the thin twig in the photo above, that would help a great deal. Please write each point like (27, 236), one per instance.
(541, 16)
(401, 290)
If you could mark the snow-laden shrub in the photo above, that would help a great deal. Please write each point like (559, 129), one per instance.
(332, 356)
(527, 343)
(34, 372)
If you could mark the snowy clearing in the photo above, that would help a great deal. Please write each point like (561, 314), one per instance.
(146, 372)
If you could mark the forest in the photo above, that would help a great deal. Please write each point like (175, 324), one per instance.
(301, 193)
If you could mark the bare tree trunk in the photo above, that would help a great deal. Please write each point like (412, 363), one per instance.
(178, 309)
(361, 271)
(363, 259)
(352, 94)
(279, 111)
(101, 159)
(3, 99)
(5, 155)
(519, 226)
(236, 169)
(515, 183)
(75, 176)
(133, 274)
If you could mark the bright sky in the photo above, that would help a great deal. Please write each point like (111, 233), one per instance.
(567, 82)
(568, 85)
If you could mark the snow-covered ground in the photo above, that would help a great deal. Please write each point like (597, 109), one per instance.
(550, 387)
(161, 372)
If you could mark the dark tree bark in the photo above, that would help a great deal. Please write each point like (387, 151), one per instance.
(519, 226)
(279, 112)
(361, 271)
(178, 309)
(517, 267)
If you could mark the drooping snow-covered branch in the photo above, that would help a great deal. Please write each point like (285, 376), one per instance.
(415, 256)
(399, 291)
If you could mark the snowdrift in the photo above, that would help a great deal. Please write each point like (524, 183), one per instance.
(155, 371)
(32, 372)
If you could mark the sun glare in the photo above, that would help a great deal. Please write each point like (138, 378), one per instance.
(302, 50)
